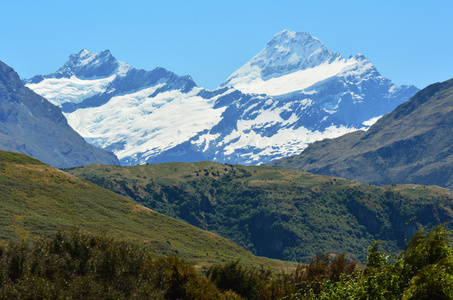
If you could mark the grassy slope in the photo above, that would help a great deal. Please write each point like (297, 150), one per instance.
(279, 213)
(38, 199)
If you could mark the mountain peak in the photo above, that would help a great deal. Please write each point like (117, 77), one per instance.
(84, 51)
(286, 53)
(359, 56)
(286, 35)
(9, 80)
(89, 64)
(289, 51)
(31, 125)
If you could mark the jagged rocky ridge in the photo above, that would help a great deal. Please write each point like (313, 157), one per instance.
(158, 116)
(31, 125)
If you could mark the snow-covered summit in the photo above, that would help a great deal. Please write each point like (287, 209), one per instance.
(89, 79)
(86, 64)
(287, 52)
(297, 63)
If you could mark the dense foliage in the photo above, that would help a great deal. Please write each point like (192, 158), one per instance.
(279, 213)
(76, 265)
(424, 270)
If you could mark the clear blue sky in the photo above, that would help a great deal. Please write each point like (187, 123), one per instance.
(410, 42)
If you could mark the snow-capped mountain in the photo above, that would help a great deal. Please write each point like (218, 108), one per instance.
(291, 94)
(296, 62)
(92, 79)
(286, 53)
(123, 109)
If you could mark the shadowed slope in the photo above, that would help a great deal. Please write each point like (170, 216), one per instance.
(279, 213)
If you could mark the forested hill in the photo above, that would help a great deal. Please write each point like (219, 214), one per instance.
(279, 213)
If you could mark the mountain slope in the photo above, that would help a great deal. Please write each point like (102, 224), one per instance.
(412, 144)
(31, 125)
(279, 213)
(296, 62)
(254, 129)
(38, 199)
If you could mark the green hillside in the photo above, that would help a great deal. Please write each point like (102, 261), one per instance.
(37, 200)
(279, 213)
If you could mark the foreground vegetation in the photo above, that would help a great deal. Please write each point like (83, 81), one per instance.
(279, 213)
(424, 270)
(76, 265)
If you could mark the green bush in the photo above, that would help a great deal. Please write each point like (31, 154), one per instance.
(424, 270)
(76, 265)
(232, 276)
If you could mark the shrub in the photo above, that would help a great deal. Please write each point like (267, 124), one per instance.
(76, 265)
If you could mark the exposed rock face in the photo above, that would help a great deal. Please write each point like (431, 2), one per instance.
(31, 125)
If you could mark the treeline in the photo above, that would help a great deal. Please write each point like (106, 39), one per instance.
(76, 265)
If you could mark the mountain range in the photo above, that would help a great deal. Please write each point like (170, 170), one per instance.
(31, 125)
(294, 92)
(291, 95)
(412, 144)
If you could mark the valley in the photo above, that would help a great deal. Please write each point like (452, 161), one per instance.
(38, 200)
(304, 175)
